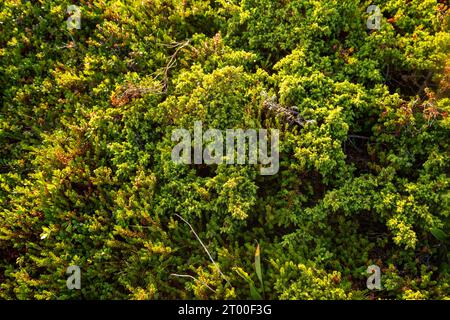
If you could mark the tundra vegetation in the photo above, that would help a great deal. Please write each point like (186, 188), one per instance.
(87, 179)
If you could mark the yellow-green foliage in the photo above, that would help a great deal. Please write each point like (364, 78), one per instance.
(86, 176)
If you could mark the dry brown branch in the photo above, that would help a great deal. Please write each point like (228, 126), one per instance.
(132, 91)
(171, 64)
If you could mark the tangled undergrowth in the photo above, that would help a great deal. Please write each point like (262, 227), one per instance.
(86, 176)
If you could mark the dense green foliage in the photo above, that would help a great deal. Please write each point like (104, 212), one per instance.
(86, 176)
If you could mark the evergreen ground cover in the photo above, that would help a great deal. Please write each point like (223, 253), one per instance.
(87, 179)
